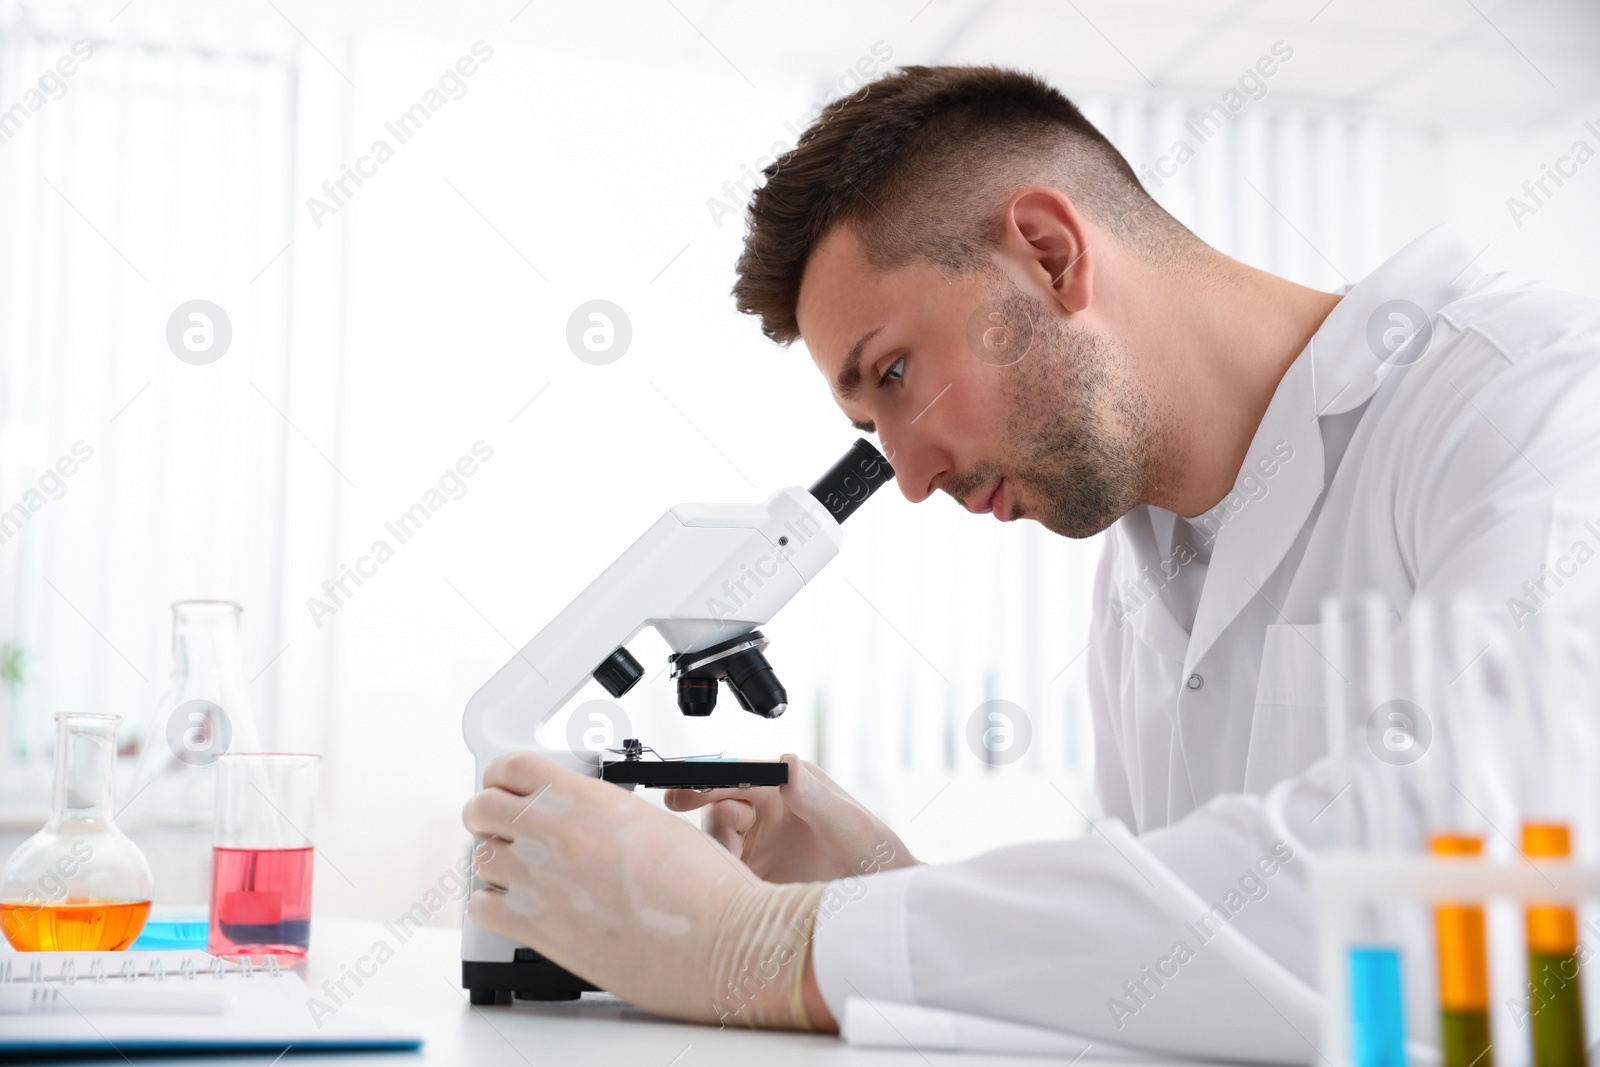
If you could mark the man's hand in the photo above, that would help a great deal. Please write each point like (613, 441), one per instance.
(809, 830)
(637, 901)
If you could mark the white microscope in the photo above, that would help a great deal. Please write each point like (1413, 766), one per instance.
(705, 576)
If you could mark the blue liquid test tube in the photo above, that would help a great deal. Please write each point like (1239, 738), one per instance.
(1377, 1012)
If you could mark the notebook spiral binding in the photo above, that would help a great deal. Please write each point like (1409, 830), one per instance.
(99, 968)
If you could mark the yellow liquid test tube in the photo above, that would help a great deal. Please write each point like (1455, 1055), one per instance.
(1555, 994)
(1463, 967)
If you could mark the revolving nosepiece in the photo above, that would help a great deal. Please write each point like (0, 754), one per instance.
(739, 662)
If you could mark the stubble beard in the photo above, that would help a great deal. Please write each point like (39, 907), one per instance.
(1079, 439)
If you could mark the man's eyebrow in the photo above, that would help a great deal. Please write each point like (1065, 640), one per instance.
(848, 384)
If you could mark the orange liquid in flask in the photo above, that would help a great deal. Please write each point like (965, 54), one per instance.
(74, 925)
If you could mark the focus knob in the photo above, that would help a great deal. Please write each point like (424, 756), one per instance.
(619, 673)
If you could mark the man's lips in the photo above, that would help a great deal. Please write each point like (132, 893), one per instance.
(994, 502)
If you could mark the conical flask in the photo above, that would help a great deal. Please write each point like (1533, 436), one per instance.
(78, 885)
(204, 713)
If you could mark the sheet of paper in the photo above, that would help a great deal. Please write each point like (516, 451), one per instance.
(881, 1024)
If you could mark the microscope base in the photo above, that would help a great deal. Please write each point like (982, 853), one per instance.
(525, 979)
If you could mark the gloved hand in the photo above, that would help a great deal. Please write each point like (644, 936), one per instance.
(808, 830)
(635, 900)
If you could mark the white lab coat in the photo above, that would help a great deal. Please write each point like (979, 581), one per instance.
(1473, 468)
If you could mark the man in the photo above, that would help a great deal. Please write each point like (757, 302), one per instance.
(982, 281)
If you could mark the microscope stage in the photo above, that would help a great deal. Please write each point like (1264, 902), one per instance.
(695, 773)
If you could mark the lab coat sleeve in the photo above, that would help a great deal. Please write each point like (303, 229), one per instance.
(1514, 485)
(1097, 937)
(1196, 939)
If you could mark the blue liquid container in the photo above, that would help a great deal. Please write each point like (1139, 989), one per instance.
(1377, 1008)
(174, 928)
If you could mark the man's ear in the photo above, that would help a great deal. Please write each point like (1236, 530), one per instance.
(1047, 238)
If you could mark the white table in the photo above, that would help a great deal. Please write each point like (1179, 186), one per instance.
(420, 987)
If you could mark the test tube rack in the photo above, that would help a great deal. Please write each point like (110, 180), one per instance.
(1344, 883)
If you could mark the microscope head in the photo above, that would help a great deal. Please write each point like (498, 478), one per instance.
(739, 660)
(706, 577)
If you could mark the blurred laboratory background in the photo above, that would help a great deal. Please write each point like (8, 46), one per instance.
(398, 207)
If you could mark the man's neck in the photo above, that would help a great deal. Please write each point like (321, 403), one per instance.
(1213, 339)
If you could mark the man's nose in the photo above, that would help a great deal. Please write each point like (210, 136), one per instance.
(917, 471)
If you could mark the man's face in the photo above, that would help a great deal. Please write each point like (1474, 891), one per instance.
(978, 388)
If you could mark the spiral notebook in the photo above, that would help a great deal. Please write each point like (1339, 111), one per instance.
(146, 1003)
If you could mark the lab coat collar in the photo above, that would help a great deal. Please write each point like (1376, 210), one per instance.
(1150, 618)
(1363, 339)
(1359, 345)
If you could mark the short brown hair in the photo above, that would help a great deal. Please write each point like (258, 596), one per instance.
(920, 164)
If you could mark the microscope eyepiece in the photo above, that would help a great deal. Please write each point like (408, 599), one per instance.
(739, 662)
(849, 482)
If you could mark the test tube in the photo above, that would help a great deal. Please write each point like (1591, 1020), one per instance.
(1555, 986)
(1462, 945)
(1377, 1006)
(1460, 938)
(1537, 669)
(1358, 646)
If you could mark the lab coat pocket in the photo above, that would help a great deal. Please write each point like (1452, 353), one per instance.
(1288, 732)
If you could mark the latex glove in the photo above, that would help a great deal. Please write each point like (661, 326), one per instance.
(808, 830)
(635, 900)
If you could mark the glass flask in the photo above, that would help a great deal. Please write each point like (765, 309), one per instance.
(204, 712)
(78, 885)
(262, 865)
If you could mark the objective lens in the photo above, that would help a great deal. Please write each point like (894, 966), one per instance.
(697, 696)
(751, 678)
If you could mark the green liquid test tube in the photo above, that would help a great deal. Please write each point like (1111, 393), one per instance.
(1555, 987)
